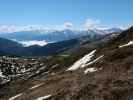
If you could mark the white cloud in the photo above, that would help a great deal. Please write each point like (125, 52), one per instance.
(41, 28)
(88, 24)
(68, 25)
(91, 23)
(15, 28)
(33, 42)
(124, 27)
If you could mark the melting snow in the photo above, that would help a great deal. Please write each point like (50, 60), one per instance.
(54, 66)
(44, 97)
(90, 70)
(13, 98)
(82, 62)
(129, 43)
(1, 74)
(3, 78)
(36, 86)
(94, 60)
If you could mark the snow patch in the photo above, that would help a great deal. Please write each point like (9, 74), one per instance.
(1, 74)
(129, 43)
(90, 70)
(54, 66)
(13, 98)
(82, 62)
(44, 97)
(94, 60)
(36, 86)
(40, 69)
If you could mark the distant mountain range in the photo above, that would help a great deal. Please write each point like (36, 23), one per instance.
(36, 42)
(53, 35)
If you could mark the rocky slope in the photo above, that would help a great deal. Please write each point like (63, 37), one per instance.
(98, 70)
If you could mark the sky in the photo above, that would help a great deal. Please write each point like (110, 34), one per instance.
(76, 14)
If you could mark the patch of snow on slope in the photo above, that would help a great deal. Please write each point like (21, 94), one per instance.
(82, 62)
(129, 43)
(90, 70)
(13, 98)
(3, 78)
(1, 74)
(36, 86)
(94, 60)
(33, 42)
(44, 97)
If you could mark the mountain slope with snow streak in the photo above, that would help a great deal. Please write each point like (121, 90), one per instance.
(81, 63)
(105, 73)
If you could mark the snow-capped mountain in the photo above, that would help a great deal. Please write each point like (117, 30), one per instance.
(112, 30)
(53, 35)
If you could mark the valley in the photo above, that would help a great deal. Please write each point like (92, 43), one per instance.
(100, 69)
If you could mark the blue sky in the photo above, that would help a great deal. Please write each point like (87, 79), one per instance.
(56, 12)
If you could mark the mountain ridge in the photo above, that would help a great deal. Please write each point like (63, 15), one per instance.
(53, 36)
(92, 70)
